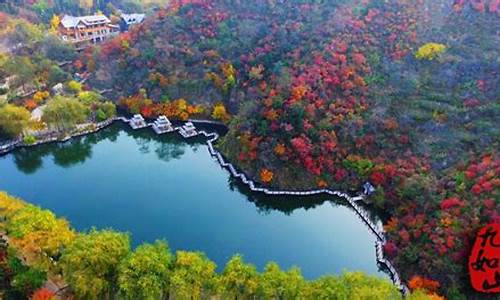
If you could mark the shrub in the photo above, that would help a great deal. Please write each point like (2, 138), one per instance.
(29, 139)
(430, 51)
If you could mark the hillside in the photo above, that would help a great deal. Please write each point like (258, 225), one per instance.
(402, 94)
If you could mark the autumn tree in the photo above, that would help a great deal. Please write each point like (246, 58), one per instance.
(54, 22)
(239, 280)
(64, 113)
(90, 264)
(38, 235)
(353, 285)
(23, 70)
(145, 273)
(14, 120)
(220, 113)
(193, 274)
(276, 284)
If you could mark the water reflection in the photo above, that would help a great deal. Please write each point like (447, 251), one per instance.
(190, 201)
(166, 147)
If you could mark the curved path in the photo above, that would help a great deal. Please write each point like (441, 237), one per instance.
(211, 138)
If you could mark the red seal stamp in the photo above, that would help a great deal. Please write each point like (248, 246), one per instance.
(484, 261)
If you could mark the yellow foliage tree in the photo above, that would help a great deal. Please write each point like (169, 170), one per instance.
(430, 51)
(9, 205)
(54, 22)
(38, 235)
(220, 113)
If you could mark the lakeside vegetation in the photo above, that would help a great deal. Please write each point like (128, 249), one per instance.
(100, 263)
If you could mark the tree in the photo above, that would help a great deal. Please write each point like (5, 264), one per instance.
(239, 280)
(9, 205)
(193, 274)
(74, 86)
(145, 273)
(430, 51)
(25, 280)
(90, 264)
(353, 285)
(54, 22)
(23, 70)
(266, 175)
(220, 113)
(38, 235)
(14, 120)
(43, 294)
(276, 284)
(64, 113)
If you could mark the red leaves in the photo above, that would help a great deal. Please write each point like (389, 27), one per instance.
(451, 202)
(340, 174)
(390, 249)
(358, 59)
(378, 178)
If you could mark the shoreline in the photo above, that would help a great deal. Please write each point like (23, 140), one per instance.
(213, 137)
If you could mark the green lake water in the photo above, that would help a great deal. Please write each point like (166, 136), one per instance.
(163, 187)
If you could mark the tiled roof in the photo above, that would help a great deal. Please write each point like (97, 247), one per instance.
(70, 21)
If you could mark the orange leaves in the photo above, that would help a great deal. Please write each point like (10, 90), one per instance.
(420, 283)
(446, 221)
(30, 104)
(43, 294)
(390, 124)
(266, 175)
(298, 92)
(321, 183)
(272, 115)
(280, 149)
(391, 225)
(179, 108)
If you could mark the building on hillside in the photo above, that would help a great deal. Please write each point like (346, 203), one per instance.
(128, 20)
(84, 30)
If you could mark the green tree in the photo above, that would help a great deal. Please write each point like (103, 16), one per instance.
(354, 285)
(276, 284)
(14, 120)
(239, 280)
(64, 113)
(24, 279)
(89, 97)
(193, 274)
(23, 70)
(145, 273)
(90, 264)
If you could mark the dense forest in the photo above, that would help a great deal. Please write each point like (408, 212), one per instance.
(402, 94)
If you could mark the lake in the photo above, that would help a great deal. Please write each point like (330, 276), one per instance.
(164, 187)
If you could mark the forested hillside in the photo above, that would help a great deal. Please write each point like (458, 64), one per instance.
(403, 94)
(43, 10)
